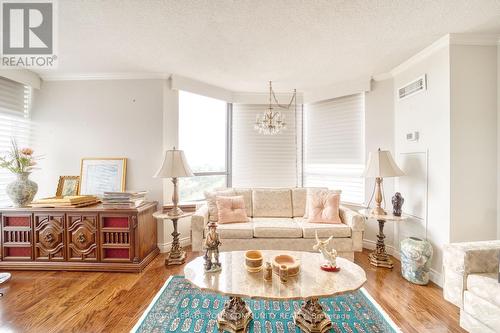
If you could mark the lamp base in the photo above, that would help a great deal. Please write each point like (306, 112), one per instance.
(378, 211)
(175, 211)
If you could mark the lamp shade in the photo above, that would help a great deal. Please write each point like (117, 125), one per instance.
(174, 165)
(381, 164)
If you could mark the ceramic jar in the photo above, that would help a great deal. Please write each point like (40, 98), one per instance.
(416, 258)
(22, 190)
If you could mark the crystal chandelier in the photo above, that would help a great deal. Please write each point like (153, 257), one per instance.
(273, 122)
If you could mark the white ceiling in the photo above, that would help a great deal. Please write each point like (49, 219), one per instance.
(240, 45)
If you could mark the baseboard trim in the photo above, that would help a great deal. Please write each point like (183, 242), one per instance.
(435, 276)
(165, 247)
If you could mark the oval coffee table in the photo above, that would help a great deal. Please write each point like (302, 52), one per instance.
(309, 285)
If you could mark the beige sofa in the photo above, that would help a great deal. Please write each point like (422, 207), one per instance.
(471, 283)
(276, 222)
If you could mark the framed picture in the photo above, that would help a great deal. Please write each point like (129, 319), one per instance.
(99, 175)
(68, 185)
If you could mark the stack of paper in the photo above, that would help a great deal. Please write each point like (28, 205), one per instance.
(129, 199)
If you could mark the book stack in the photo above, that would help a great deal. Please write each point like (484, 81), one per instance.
(120, 200)
(73, 201)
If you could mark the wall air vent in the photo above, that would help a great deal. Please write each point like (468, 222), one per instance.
(413, 87)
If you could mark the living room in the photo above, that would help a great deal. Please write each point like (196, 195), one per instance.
(260, 166)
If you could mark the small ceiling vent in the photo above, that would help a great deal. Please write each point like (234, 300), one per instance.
(413, 87)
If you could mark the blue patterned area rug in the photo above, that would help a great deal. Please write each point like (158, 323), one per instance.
(181, 307)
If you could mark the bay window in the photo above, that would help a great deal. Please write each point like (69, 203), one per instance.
(203, 135)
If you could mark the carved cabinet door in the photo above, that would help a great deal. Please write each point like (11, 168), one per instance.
(82, 237)
(49, 237)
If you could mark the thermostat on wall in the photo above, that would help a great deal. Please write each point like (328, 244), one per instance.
(413, 136)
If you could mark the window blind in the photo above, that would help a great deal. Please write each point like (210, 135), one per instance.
(334, 146)
(260, 160)
(15, 103)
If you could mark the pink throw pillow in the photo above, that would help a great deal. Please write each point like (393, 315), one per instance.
(323, 207)
(231, 209)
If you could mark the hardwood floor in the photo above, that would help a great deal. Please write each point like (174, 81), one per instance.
(113, 302)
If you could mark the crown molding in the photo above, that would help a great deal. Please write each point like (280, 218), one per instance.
(475, 39)
(338, 90)
(382, 76)
(104, 76)
(447, 40)
(178, 82)
(431, 49)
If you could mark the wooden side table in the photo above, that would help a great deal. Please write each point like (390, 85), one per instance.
(176, 256)
(379, 257)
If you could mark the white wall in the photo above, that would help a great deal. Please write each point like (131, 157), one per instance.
(379, 133)
(473, 142)
(75, 119)
(429, 113)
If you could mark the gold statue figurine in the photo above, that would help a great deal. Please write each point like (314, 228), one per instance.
(211, 246)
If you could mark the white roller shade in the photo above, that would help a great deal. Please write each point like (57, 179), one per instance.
(15, 100)
(334, 146)
(263, 160)
(13, 97)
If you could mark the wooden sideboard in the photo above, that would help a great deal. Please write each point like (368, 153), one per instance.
(78, 239)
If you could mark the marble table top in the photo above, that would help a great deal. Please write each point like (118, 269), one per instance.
(235, 280)
(389, 217)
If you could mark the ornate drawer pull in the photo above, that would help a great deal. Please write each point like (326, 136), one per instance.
(81, 238)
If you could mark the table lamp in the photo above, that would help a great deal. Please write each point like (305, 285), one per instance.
(380, 165)
(174, 166)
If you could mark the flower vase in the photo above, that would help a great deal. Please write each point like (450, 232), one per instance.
(22, 190)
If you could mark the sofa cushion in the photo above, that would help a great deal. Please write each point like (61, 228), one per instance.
(324, 230)
(231, 209)
(276, 228)
(299, 198)
(210, 197)
(486, 286)
(482, 310)
(310, 193)
(234, 230)
(272, 203)
(245, 192)
(323, 207)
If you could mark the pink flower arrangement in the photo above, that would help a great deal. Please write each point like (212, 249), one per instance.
(18, 160)
(26, 151)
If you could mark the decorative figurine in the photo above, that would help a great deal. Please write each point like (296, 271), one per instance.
(397, 204)
(211, 245)
(283, 273)
(329, 256)
(268, 271)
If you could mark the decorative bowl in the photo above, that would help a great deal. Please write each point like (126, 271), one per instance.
(291, 262)
(253, 261)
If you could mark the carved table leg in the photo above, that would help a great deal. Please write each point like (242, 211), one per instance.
(235, 317)
(311, 318)
(379, 257)
(177, 255)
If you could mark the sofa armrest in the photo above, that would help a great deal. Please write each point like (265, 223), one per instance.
(198, 222)
(472, 257)
(462, 259)
(353, 219)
